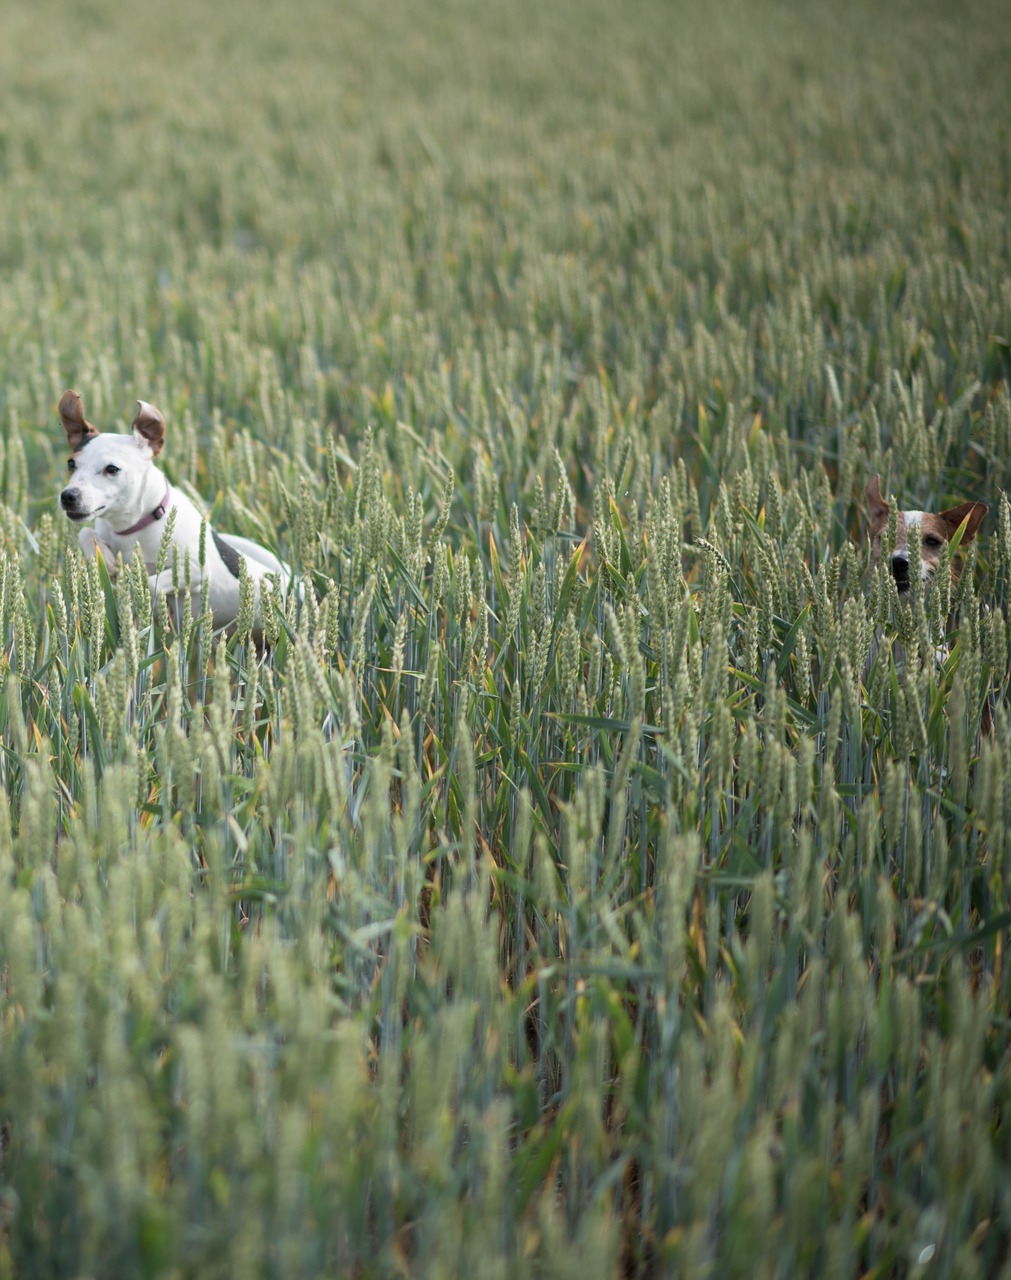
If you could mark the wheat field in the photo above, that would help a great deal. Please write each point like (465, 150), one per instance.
(598, 872)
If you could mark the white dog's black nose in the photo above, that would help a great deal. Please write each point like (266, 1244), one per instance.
(69, 499)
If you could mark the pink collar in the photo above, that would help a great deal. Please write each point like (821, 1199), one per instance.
(156, 514)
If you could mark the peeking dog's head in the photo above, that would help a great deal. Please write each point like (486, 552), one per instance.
(106, 470)
(924, 528)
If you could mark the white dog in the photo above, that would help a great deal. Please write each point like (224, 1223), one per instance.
(113, 481)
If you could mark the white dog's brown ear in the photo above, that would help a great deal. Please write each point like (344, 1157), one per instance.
(74, 424)
(972, 511)
(877, 507)
(151, 425)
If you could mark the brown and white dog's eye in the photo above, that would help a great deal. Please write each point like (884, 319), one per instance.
(111, 470)
(933, 542)
(71, 464)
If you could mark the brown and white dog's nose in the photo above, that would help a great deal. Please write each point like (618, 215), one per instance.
(900, 570)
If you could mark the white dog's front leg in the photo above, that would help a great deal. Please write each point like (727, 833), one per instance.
(162, 584)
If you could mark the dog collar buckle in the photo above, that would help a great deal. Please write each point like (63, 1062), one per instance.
(156, 514)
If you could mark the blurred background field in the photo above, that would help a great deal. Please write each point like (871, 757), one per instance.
(599, 873)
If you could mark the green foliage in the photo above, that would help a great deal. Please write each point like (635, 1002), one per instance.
(598, 872)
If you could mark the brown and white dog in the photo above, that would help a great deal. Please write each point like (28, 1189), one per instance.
(114, 482)
(921, 534)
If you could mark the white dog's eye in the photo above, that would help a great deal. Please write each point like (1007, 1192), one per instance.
(111, 470)
(71, 464)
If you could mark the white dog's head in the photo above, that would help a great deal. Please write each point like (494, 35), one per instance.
(106, 471)
(931, 530)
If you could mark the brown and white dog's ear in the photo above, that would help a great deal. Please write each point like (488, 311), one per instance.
(74, 424)
(877, 507)
(971, 511)
(150, 425)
